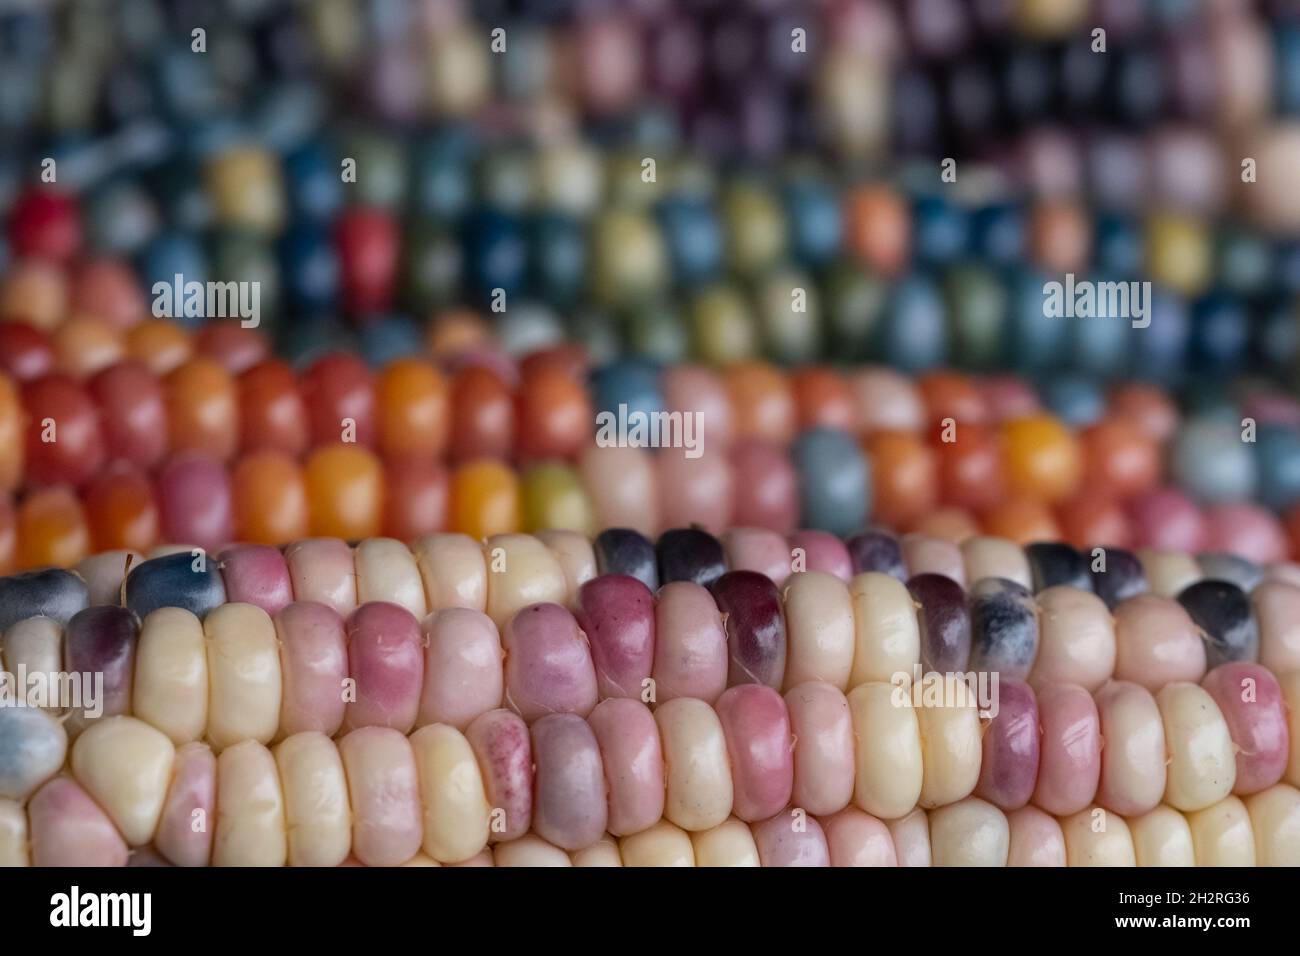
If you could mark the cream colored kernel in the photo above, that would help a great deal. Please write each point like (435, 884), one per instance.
(887, 638)
(696, 767)
(1202, 759)
(1036, 838)
(577, 560)
(604, 852)
(1096, 837)
(889, 771)
(988, 557)
(911, 835)
(530, 850)
(971, 832)
(452, 569)
(730, 843)
(951, 745)
(243, 675)
(820, 635)
(316, 806)
(483, 858)
(1222, 834)
(35, 646)
(660, 845)
(170, 688)
(250, 827)
(1162, 838)
(1168, 572)
(386, 571)
(1275, 820)
(457, 815)
(520, 571)
(126, 765)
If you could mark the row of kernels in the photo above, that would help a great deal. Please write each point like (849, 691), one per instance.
(1188, 746)
(1259, 831)
(1047, 745)
(703, 503)
(454, 569)
(497, 576)
(126, 413)
(871, 224)
(752, 399)
(1129, 747)
(570, 778)
(1256, 831)
(241, 674)
(258, 574)
(869, 630)
(310, 801)
(380, 799)
(545, 410)
(345, 490)
(678, 645)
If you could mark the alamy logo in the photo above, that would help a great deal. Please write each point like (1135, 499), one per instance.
(637, 429)
(978, 689)
(74, 908)
(1098, 300)
(208, 300)
(79, 690)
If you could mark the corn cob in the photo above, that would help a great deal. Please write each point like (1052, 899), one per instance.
(377, 797)
(240, 662)
(846, 634)
(775, 441)
(870, 628)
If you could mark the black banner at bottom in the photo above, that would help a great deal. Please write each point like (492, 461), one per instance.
(359, 906)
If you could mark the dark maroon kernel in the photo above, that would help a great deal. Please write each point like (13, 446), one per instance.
(754, 621)
(690, 554)
(876, 551)
(616, 612)
(944, 621)
(1121, 579)
(102, 639)
(1054, 563)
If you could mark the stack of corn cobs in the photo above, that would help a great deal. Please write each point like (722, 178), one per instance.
(445, 635)
(551, 700)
